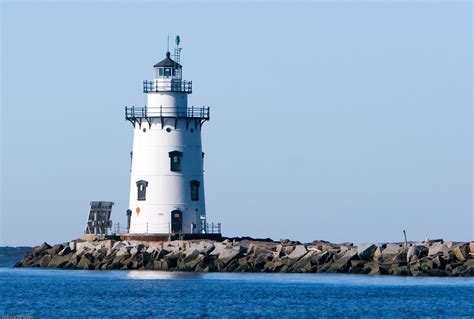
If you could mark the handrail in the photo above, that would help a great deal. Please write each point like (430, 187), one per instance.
(210, 228)
(160, 112)
(168, 86)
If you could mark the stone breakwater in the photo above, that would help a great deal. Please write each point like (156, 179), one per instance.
(433, 258)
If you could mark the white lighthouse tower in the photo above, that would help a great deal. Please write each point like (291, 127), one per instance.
(167, 184)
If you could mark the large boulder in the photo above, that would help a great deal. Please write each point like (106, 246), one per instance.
(227, 254)
(40, 250)
(273, 265)
(343, 262)
(418, 251)
(287, 250)
(123, 251)
(439, 262)
(137, 249)
(391, 249)
(401, 257)
(359, 267)
(44, 262)
(172, 258)
(437, 247)
(55, 249)
(366, 251)
(203, 247)
(85, 262)
(461, 252)
(298, 252)
(58, 261)
(190, 255)
(86, 246)
(65, 251)
(321, 258)
(218, 248)
(278, 251)
(398, 270)
(375, 269)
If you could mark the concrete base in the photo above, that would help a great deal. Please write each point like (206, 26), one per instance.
(168, 237)
(90, 237)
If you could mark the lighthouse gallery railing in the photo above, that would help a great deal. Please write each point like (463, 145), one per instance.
(157, 112)
(171, 86)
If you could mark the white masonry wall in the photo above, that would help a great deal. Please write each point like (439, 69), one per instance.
(167, 190)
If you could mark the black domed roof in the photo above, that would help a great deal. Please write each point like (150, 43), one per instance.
(167, 63)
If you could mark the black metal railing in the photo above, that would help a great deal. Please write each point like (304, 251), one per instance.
(171, 86)
(184, 112)
(212, 228)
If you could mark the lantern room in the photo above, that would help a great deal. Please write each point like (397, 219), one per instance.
(168, 69)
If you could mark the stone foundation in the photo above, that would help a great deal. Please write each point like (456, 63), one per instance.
(434, 258)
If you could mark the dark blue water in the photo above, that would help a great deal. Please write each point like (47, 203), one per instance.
(77, 294)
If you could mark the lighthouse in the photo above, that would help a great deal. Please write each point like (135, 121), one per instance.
(167, 182)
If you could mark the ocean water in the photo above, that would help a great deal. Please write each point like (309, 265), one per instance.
(44, 293)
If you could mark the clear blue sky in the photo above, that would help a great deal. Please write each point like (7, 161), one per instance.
(343, 121)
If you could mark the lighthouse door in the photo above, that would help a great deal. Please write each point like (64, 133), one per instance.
(176, 221)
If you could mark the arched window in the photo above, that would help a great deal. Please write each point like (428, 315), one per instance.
(195, 190)
(175, 161)
(141, 187)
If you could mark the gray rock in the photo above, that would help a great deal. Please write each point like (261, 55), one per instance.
(392, 249)
(194, 262)
(161, 253)
(378, 252)
(190, 255)
(227, 254)
(278, 249)
(218, 247)
(437, 247)
(72, 245)
(343, 263)
(58, 261)
(65, 251)
(45, 260)
(377, 269)
(399, 271)
(461, 252)
(439, 262)
(203, 247)
(401, 257)
(85, 263)
(287, 250)
(123, 251)
(366, 251)
(119, 244)
(298, 252)
(418, 251)
(321, 258)
(151, 250)
(40, 250)
(273, 265)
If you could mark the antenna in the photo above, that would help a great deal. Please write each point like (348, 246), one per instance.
(168, 47)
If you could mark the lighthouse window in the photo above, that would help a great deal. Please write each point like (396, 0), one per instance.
(167, 72)
(195, 190)
(141, 187)
(160, 71)
(175, 161)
